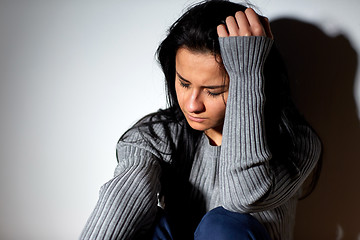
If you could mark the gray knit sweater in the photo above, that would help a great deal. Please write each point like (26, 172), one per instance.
(238, 175)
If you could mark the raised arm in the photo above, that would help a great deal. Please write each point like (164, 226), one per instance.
(249, 179)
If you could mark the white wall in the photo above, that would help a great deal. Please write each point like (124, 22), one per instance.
(74, 76)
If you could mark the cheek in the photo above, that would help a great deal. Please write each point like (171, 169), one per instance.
(223, 105)
(221, 110)
(179, 95)
(223, 101)
(218, 107)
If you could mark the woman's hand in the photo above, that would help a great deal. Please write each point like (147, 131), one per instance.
(246, 23)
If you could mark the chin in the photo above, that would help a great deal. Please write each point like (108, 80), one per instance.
(198, 126)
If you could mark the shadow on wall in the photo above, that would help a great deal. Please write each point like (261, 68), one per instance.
(322, 72)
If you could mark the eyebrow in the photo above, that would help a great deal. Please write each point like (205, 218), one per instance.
(209, 87)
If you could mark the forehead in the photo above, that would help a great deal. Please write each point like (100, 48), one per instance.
(199, 66)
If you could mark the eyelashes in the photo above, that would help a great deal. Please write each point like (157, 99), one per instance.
(184, 85)
(209, 93)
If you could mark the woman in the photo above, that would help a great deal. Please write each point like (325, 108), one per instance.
(220, 157)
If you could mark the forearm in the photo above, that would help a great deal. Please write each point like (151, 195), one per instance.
(244, 162)
(251, 179)
(244, 58)
(127, 204)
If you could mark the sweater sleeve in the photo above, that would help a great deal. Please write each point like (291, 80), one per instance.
(127, 203)
(248, 180)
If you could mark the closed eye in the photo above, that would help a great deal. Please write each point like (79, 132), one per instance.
(183, 84)
(209, 89)
(212, 94)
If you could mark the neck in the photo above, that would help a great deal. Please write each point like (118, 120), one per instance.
(215, 136)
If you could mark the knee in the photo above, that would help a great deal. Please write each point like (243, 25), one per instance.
(222, 224)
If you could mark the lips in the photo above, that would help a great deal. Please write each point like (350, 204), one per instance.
(195, 119)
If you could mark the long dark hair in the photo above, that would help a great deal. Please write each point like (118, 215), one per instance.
(196, 30)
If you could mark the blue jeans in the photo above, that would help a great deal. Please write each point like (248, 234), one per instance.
(219, 224)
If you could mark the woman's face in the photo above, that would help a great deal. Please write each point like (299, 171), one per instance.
(202, 89)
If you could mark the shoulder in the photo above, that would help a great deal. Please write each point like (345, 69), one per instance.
(155, 134)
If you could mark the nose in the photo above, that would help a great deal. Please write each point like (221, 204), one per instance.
(195, 103)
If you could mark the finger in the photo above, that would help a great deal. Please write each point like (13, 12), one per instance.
(243, 24)
(232, 26)
(256, 27)
(221, 30)
(266, 24)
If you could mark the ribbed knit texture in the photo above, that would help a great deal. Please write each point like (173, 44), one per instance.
(237, 175)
